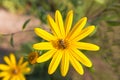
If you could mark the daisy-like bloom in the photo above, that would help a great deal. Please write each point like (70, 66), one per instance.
(64, 44)
(13, 71)
(32, 57)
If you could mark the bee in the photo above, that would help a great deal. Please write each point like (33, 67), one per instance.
(62, 44)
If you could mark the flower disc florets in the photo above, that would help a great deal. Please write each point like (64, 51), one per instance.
(60, 44)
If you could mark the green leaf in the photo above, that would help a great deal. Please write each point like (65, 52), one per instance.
(25, 24)
(91, 69)
(113, 23)
(12, 40)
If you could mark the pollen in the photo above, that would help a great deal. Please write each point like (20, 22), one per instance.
(60, 44)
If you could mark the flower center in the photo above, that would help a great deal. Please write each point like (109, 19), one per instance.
(32, 57)
(15, 71)
(60, 44)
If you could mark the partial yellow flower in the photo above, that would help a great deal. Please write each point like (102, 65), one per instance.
(64, 44)
(13, 70)
(32, 57)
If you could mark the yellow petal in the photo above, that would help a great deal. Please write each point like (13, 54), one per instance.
(68, 22)
(13, 78)
(77, 66)
(7, 60)
(4, 67)
(84, 33)
(7, 77)
(55, 62)
(46, 56)
(65, 63)
(86, 46)
(18, 78)
(26, 70)
(44, 34)
(12, 59)
(59, 22)
(24, 64)
(20, 61)
(21, 77)
(77, 28)
(54, 27)
(81, 57)
(43, 46)
(2, 74)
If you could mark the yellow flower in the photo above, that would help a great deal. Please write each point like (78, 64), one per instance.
(63, 44)
(12, 70)
(32, 57)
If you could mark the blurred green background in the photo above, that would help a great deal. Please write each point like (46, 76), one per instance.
(104, 14)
